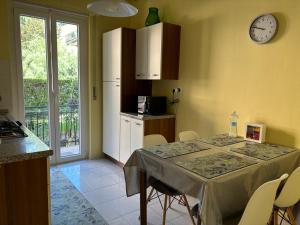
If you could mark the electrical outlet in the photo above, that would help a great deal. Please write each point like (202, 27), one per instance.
(0, 98)
(176, 90)
(175, 95)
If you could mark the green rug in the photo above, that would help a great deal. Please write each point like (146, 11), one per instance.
(68, 205)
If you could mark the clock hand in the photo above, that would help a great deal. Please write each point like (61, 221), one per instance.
(260, 28)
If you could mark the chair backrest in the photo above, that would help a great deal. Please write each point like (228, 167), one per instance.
(188, 135)
(154, 139)
(260, 205)
(290, 193)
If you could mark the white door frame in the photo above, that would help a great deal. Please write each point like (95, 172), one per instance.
(51, 16)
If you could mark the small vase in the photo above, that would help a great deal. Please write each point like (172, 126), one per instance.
(152, 17)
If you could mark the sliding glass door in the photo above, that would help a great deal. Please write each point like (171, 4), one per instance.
(51, 52)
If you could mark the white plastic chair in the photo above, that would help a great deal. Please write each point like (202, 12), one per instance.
(154, 139)
(288, 197)
(169, 192)
(260, 206)
(188, 135)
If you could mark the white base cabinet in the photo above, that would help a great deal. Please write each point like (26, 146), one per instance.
(125, 148)
(136, 134)
(131, 137)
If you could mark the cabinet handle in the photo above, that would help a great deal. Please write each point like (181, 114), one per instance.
(117, 85)
(117, 78)
(138, 124)
(139, 75)
(127, 121)
(155, 75)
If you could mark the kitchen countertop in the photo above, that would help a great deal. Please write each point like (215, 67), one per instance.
(147, 117)
(20, 149)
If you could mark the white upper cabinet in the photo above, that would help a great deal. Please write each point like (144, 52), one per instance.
(155, 34)
(157, 52)
(112, 55)
(141, 53)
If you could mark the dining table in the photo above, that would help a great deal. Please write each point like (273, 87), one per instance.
(222, 172)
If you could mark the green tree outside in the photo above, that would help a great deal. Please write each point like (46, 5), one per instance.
(34, 62)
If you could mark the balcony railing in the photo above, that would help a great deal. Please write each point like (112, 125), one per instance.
(37, 120)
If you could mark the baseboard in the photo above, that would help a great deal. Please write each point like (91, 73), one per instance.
(118, 163)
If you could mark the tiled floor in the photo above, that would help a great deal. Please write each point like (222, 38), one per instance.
(103, 184)
(70, 150)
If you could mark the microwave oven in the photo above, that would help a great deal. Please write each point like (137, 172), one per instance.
(152, 105)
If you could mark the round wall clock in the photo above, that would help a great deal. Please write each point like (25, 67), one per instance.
(263, 28)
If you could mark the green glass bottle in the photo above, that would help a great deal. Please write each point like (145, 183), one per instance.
(152, 17)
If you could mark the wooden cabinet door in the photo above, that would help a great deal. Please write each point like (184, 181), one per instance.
(112, 55)
(26, 199)
(125, 139)
(111, 119)
(141, 53)
(155, 37)
(137, 134)
(3, 202)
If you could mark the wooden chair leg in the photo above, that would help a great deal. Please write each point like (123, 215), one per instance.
(181, 201)
(198, 220)
(188, 208)
(275, 216)
(271, 219)
(291, 216)
(150, 195)
(165, 209)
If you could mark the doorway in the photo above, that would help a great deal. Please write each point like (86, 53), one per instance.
(52, 74)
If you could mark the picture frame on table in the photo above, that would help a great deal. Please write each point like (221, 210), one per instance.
(255, 132)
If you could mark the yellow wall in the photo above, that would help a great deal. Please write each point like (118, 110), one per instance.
(222, 70)
(5, 79)
(4, 50)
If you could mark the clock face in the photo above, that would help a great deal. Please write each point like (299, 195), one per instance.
(263, 28)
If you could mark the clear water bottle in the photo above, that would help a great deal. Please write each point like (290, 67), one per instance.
(233, 124)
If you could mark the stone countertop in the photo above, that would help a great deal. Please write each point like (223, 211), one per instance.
(20, 149)
(147, 117)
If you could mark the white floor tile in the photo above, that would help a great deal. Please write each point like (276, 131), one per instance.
(100, 182)
(105, 194)
(118, 207)
(103, 184)
(182, 220)
(119, 221)
(172, 213)
(108, 210)
(152, 218)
